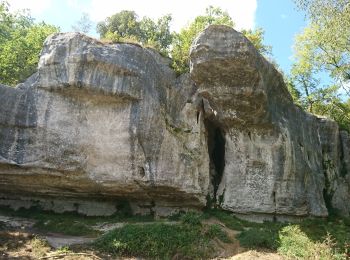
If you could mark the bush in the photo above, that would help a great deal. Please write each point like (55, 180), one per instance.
(295, 243)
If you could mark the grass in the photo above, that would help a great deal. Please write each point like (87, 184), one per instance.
(310, 239)
(190, 236)
(215, 231)
(187, 239)
(70, 223)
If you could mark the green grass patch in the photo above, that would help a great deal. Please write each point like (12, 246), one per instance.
(259, 237)
(228, 219)
(157, 241)
(188, 239)
(70, 223)
(215, 231)
(309, 239)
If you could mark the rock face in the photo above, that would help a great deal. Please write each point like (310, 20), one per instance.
(102, 126)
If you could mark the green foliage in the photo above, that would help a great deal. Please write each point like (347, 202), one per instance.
(126, 26)
(21, 41)
(213, 15)
(64, 226)
(323, 46)
(295, 243)
(230, 220)
(265, 236)
(325, 41)
(191, 218)
(183, 40)
(71, 223)
(309, 239)
(160, 241)
(215, 231)
(257, 37)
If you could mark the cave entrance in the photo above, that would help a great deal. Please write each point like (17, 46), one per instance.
(216, 150)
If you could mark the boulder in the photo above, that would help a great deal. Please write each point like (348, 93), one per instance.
(107, 127)
(277, 161)
(96, 123)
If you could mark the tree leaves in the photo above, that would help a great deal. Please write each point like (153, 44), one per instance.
(21, 41)
(324, 46)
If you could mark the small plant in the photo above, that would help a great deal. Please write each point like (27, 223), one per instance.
(39, 247)
(63, 250)
(294, 242)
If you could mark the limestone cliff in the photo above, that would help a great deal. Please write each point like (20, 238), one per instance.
(101, 125)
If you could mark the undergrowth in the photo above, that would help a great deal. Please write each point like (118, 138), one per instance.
(187, 239)
(190, 237)
(70, 223)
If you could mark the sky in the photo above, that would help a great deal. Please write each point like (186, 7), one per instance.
(278, 18)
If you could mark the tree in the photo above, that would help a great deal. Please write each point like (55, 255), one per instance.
(123, 24)
(324, 43)
(157, 34)
(84, 24)
(21, 41)
(323, 46)
(213, 15)
(126, 26)
(183, 40)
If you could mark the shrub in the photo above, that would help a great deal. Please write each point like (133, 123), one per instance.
(295, 243)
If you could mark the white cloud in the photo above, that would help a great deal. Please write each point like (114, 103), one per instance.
(183, 11)
(36, 7)
(284, 16)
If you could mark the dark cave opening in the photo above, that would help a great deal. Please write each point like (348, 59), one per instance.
(216, 150)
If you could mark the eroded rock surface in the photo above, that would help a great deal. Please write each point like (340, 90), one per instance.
(100, 126)
(95, 123)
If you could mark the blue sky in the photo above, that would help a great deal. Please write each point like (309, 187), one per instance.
(281, 22)
(278, 18)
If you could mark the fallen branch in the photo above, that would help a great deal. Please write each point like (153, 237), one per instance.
(70, 254)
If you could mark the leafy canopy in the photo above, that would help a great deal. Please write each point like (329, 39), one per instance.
(126, 26)
(213, 15)
(324, 43)
(323, 47)
(21, 41)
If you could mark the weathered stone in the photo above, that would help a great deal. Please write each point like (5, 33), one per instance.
(93, 123)
(102, 128)
(278, 159)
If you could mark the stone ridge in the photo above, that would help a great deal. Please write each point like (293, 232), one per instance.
(100, 126)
